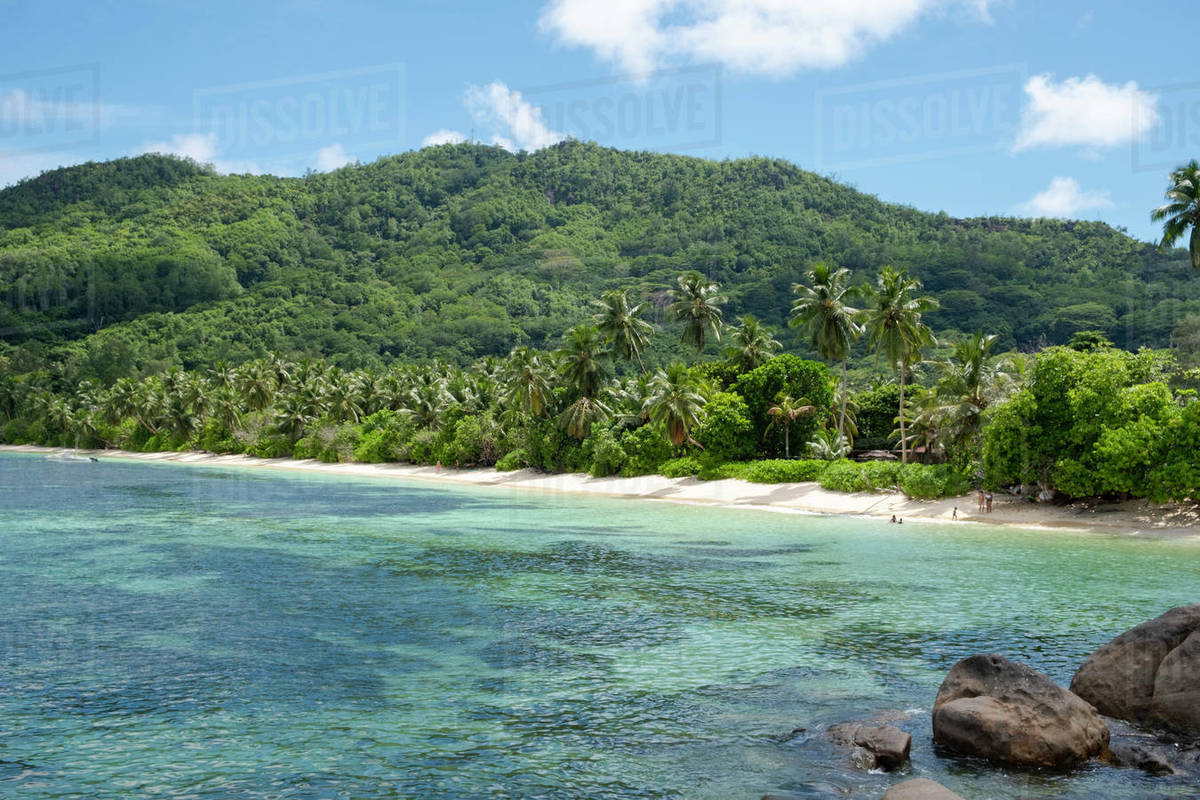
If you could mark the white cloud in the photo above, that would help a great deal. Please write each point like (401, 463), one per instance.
(331, 158)
(516, 123)
(766, 37)
(1065, 198)
(201, 148)
(1084, 112)
(443, 136)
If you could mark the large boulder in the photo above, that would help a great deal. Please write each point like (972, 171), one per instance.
(998, 709)
(920, 789)
(1149, 674)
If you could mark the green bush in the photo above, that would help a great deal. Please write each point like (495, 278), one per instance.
(270, 445)
(420, 449)
(845, 476)
(785, 374)
(646, 449)
(383, 435)
(930, 481)
(515, 459)
(719, 471)
(607, 454)
(727, 434)
(778, 470)
(680, 467)
(882, 474)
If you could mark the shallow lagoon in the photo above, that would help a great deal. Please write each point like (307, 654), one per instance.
(211, 632)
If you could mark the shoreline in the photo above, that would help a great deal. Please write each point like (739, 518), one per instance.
(1133, 518)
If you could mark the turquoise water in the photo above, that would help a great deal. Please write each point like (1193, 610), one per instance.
(198, 632)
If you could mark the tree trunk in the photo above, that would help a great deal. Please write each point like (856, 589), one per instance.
(903, 440)
(842, 419)
(787, 442)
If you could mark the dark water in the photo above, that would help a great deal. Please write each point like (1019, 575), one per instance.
(196, 632)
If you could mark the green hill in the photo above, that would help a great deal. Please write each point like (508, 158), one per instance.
(461, 251)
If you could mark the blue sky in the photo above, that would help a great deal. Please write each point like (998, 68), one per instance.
(1073, 109)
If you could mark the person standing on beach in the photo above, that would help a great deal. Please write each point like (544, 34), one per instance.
(955, 514)
(979, 497)
(989, 502)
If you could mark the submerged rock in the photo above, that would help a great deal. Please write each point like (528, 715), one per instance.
(920, 789)
(1149, 674)
(873, 746)
(998, 709)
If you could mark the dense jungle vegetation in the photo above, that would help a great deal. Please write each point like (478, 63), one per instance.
(415, 309)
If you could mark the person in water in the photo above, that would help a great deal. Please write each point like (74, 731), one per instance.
(893, 519)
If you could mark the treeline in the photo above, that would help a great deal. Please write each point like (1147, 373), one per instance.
(125, 268)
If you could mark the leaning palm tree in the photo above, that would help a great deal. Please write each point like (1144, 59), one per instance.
(821, 308)
(786, 410)
(675, 403)
(698, 303)
(895, 330)
(752, 344)
(622, 325)
(1182, 211)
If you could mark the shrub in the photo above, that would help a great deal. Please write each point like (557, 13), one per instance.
(930, 481)
(384, 433)
(882, 474)
(845, 476)
(607, 454)
(420, 448)
(646, 449)
(680, 467)
(510, 461)
(727, 434)
(719, 471)
(780, 470)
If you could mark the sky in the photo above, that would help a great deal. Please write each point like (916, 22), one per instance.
(972, 107)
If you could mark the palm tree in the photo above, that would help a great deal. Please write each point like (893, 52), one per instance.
(895, 330)
(622, 325)
(752, 344)
(829, 445)
(577, 419)
(526, 382)
(675, 402)
(1183, 209)
(970, 383)
(582, 364)
(698, 303)
(822, 309)
(786, 410)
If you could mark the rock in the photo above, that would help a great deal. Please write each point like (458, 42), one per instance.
(1136, 748)
(1149, 674)
(873, 746)
(998, 709)
(1138, 757)
(920, 789)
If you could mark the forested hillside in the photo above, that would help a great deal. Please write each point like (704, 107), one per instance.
(462, 251)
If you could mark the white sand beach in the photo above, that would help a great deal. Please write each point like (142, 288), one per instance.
(1133, 518)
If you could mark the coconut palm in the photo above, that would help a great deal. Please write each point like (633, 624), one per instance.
(751, 344)
(786, 410)
(577, 419)
(622, 325)
(821, 308)
(676, 403)
(527, 382)
(971, 381)
(895, 330)
(583, 360)
(698, 303)
(1182, 211)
